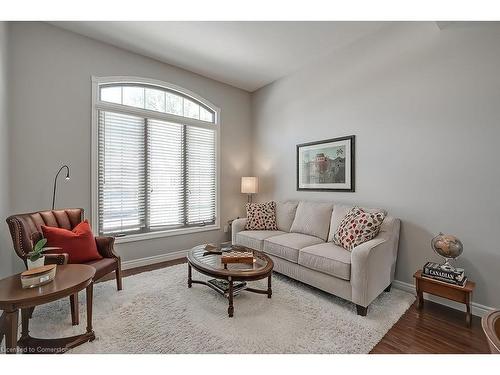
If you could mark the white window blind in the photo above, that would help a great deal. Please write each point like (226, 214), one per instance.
(200, 175)
(153, 174)
(122, 183)
(166, 174)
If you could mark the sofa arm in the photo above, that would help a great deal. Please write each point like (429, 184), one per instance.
(373, 265)
(59, 259)
(237, 225)
(105, 246)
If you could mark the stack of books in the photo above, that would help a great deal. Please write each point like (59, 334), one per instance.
(435, 271)
(222, 286)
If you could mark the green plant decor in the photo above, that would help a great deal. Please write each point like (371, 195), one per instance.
(38, 249)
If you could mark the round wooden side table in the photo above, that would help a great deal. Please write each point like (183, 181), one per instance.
(69, 280)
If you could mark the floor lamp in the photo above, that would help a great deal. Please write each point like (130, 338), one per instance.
(55, 183)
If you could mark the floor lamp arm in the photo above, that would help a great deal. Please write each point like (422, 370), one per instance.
(55, 183)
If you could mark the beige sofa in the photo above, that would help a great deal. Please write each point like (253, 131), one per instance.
(302, 249)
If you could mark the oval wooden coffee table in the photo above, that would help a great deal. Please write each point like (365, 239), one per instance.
(69, 280)
(211, 265)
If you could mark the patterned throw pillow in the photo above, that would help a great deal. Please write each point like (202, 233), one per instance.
(358, 226)
(261, 216)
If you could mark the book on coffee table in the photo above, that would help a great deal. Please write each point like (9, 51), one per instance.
(217, 250)
(222, 286)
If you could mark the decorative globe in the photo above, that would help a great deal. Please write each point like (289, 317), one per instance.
(447, 246)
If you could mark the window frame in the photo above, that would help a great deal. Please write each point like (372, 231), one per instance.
(98, 105)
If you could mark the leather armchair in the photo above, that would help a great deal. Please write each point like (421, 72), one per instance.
(25, 230)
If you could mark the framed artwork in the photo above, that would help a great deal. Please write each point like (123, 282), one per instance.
(326, 165)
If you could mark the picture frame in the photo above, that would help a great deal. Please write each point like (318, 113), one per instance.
(327, 165)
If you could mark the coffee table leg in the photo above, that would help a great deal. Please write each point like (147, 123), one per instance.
(269, 290)
(230, 309)
(190, 280)
(11, 322)
(90, 297)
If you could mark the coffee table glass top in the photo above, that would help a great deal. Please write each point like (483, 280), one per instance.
(199, 256)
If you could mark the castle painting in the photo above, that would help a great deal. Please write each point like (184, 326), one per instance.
(326, 165)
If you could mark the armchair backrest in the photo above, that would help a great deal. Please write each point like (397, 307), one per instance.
(25, 229)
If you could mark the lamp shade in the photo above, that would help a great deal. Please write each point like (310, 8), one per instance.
(249, 185)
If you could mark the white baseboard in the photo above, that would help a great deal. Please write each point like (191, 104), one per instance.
(477, 309)
(134, 263)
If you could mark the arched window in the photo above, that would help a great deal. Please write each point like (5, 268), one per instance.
(155, 98)
(156, 159)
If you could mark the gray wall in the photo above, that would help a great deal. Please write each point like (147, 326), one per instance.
(5, 242)
(424, 105)
(50, 72)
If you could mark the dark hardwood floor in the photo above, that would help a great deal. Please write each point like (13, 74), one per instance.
(436, 329)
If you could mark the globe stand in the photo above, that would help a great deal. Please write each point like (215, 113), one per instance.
(447, 266)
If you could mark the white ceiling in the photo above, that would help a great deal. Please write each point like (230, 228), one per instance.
(248, 55)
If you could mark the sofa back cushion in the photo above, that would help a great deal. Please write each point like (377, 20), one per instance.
(312, 218)
(285, 213)
(388, 224)
(338, 214)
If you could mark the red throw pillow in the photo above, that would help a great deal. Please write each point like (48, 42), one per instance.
(78, 243)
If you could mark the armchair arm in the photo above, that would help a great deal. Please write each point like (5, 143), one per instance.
(237, 225)
(56, 258)
(373, 265)
(105, 246)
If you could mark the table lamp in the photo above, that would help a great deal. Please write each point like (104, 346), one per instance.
(249, 185)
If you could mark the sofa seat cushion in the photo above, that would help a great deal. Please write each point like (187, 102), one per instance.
(327, 258)
(254, 239)
(287, 245)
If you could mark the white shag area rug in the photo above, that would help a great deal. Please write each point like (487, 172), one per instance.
(157, 313)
